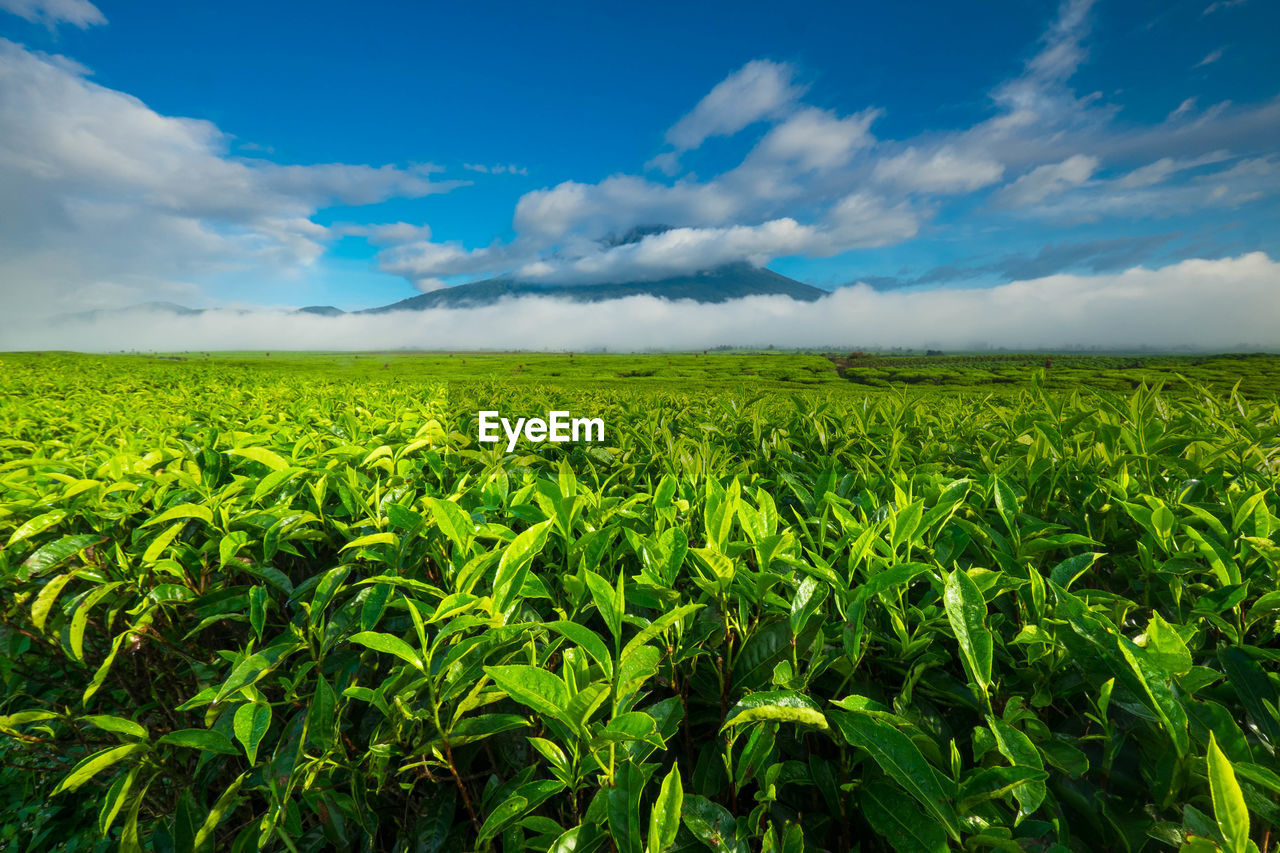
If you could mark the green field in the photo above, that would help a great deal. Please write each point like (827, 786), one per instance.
(675, 372)
(792, 602)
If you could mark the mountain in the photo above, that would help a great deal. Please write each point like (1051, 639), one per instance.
(732, 281)
(143, 307)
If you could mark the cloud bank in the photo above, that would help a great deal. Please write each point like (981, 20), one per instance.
(1228, 304)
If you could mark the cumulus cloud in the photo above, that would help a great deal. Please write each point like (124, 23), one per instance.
(79, 13)
(102, 194)
(858, 221)
(1226, 304)
(760, 89)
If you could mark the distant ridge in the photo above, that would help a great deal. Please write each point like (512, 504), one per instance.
(153, 307)
(733, 281)
(722, 284)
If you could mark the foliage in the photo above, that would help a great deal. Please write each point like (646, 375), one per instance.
(251, 608)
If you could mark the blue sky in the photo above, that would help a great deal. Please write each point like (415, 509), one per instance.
(292, 154)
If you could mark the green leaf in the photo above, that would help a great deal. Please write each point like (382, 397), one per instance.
(49, 557)
(119, 725)
(506, 812)
(23, 718)
(1021, 752)
(780, 706)
(1159, 694)
(453, 522)
(664, 818)
(270, 458)
(606, 597)
(80, 618)
(371, 539)
(251, 722)
(247, 671)
(388, 644)
(1253, 688)
(588, 640)
(902, 761)
(1066, 572)
(657, 626)
(258, 609)
(1165, 647)
(274, 480)
(45, 598)
(114, 800)
(1007, 505)
(902, 822)
(182, 511)
(157, 546)
(1228, 801)
(891, 578)
(514, 565)
(989, 783)
(204, 837)
(967, 613)
(534, 687)
(94, 764)
(623, 805)
(712, 824)
(905, 524)
(39, 524)
(206, 740)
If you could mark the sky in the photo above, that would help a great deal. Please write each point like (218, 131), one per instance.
(954, 173)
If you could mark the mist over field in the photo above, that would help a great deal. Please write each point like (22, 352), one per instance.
(1227, 304)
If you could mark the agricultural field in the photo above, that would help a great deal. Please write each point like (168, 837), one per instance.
(289, 602)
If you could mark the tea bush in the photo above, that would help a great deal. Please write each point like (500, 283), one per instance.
(263, 611)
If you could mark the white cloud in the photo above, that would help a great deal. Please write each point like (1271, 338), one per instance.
(1220, 5)
(425, 263)
(1226, 304)
(620, 202)
(1063, 51)
(500, 169)
(858, 221)
(1044, 181)
(1210, 58)
(101, 194)
(1148, 192)
(80, 13)
(1164, 168)
(814, 140)
(760, 89)
(388, 234)
(943, 170)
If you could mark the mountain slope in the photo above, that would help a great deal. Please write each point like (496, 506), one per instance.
(733, 281)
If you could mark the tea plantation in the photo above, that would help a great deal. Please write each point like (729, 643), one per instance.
(291, 603)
